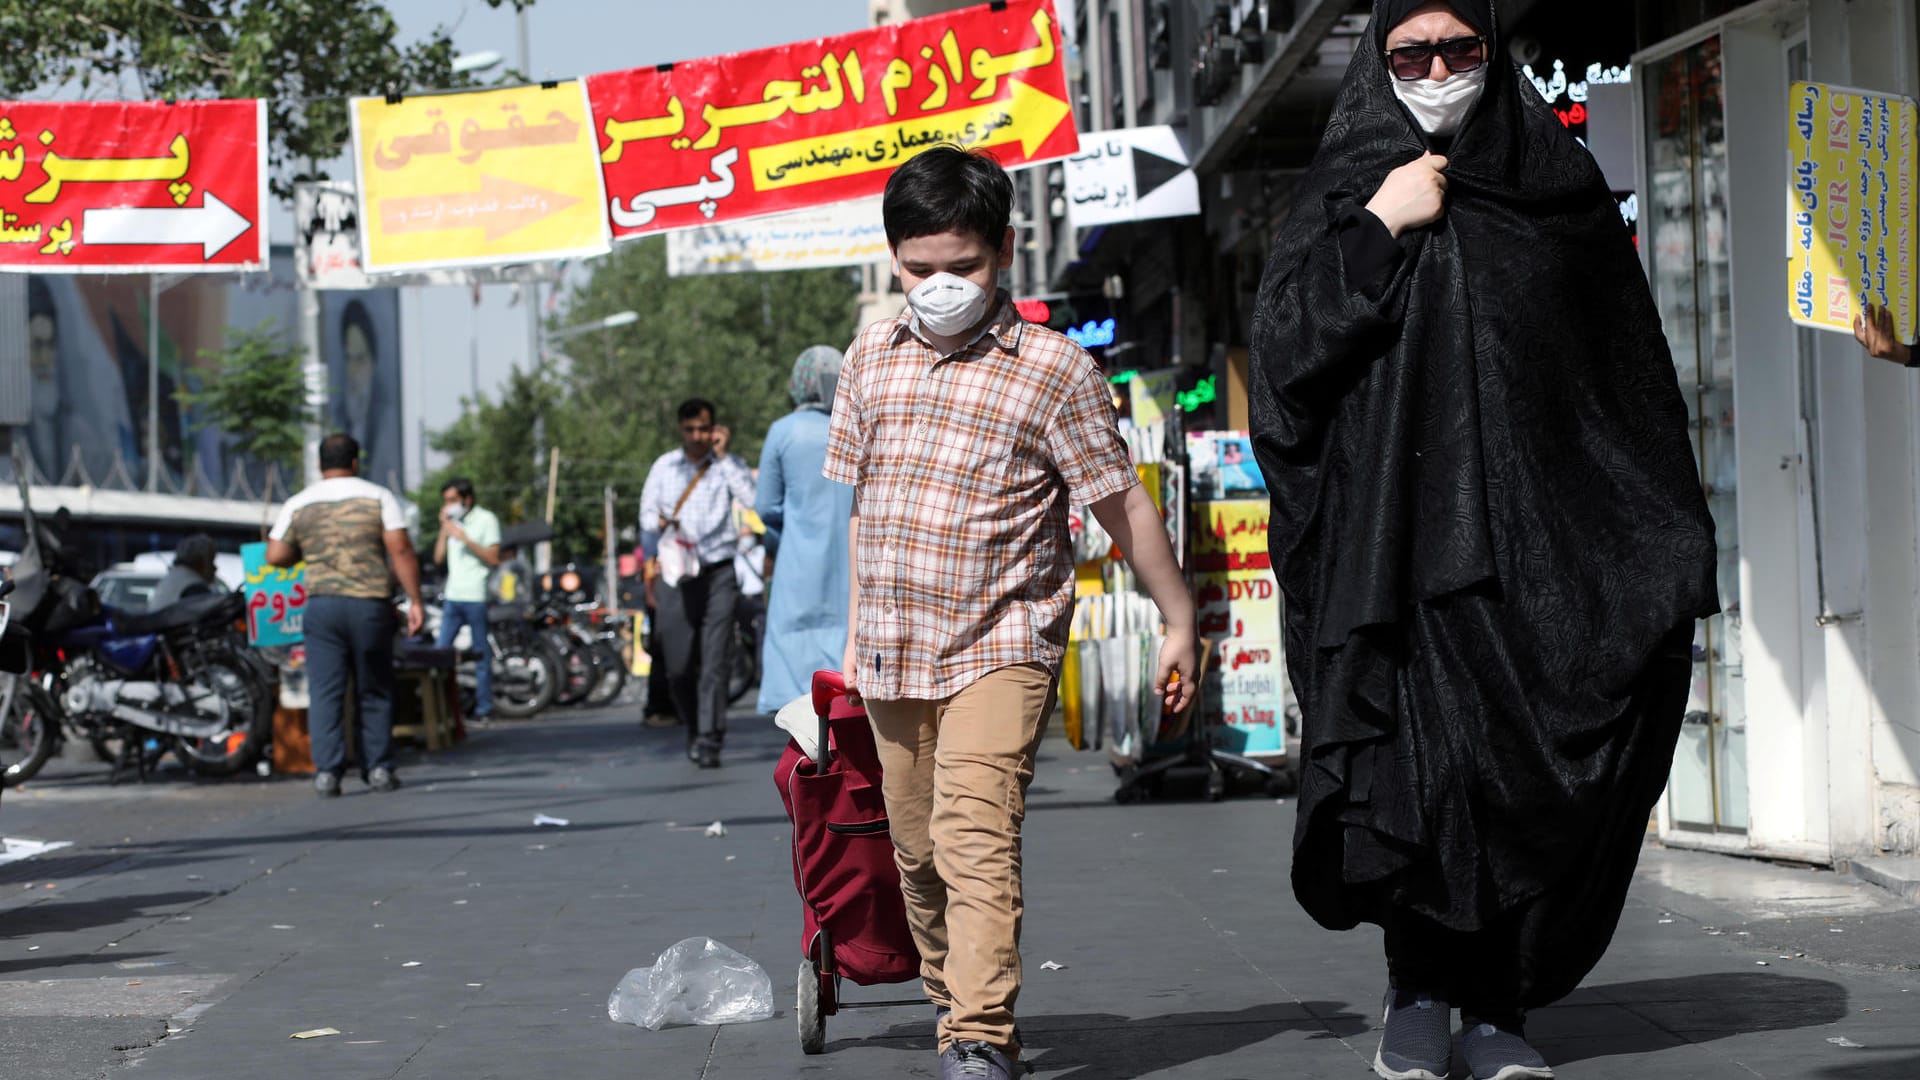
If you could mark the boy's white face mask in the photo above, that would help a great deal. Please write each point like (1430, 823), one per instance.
(948, 305)
(1440, 108)
(457, 512)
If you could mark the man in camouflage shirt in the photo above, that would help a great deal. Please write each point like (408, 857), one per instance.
(347, 530)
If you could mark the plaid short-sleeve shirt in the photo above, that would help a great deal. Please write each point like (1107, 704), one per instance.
(965, 467)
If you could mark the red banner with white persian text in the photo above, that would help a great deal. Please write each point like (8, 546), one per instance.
(823, 121)
(103, 187)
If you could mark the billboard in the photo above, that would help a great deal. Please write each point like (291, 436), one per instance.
(88, 368)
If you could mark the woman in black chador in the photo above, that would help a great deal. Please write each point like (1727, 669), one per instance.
(1490, 533)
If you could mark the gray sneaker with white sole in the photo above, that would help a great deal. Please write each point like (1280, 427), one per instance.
(1418, 1041)
(1495, 1053)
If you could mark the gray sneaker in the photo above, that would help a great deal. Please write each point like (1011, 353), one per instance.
(326, 785)
(1418, 1041)
(975, 1061)
(382, 779)
(1498, 1054)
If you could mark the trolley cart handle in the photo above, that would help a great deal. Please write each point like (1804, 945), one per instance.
(828, 686)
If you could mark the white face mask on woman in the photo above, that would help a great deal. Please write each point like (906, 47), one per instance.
(947, 304)
(1441, 107)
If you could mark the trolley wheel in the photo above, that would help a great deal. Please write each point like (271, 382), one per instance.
(1216, 785)
(813, 1022)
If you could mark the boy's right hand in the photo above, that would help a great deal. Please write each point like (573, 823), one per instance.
(1173, 679)
(849, 662)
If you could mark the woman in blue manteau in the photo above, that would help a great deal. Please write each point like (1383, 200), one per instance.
(806, 517)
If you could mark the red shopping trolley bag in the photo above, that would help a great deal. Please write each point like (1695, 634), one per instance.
(856, 921)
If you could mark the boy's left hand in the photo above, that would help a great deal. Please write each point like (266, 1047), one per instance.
(1177, 657)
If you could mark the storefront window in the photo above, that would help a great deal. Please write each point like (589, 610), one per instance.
(1685, 225)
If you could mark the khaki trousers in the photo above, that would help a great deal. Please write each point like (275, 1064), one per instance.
(956, 781)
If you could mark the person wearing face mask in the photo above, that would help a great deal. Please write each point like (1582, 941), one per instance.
(1489, 531)
(469, 549)
(966, 434)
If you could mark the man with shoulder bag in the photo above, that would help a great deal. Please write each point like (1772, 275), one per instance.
(687, 533)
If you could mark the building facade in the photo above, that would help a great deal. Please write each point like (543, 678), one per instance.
(1803, 737)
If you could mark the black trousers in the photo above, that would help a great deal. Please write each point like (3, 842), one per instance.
(696, 636)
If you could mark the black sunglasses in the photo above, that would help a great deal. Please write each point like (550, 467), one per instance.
(1461, 54)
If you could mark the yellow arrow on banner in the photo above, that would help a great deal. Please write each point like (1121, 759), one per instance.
(1028, 117)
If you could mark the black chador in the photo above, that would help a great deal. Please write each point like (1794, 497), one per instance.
(1490, 533)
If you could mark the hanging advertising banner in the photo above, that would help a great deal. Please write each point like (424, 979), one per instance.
(276, 599)
(478, 179)
(133, 187)
(843, 234)
(1238, 604)
(738, 136)
(326, 247)
(1850, 206)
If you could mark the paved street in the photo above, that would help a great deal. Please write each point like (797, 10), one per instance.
(191, 928)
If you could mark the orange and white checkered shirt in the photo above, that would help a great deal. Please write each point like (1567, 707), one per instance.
(965, 467)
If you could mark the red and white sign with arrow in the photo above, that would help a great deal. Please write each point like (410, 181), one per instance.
(133, 187)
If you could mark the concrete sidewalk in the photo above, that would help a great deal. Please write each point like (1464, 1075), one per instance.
(1184, 953)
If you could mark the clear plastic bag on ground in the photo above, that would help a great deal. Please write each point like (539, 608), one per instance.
(698, 981)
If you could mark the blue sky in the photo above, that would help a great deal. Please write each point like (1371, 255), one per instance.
(448, 340)
(580, 37)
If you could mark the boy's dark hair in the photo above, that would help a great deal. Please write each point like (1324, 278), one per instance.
(460, 486)
(339, 451)
(947, 189)
(691, 409)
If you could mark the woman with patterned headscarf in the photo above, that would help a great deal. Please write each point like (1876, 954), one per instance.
(806, 517)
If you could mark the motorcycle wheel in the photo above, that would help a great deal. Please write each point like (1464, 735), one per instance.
(29, 734)
(525, 679)
(580, 670)
(613, 676)
(250, 723)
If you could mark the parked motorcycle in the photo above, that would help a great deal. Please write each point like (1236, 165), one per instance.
(527, 674)
(152, 682)
(604, 628)
(29, 721)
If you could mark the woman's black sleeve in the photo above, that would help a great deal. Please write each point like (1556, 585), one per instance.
(1369, 250)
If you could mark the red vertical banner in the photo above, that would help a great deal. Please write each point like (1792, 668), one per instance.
(103, 187)
(823, 121)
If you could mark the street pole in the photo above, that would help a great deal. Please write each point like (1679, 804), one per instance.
(314, 375)
(606, 523)
(545, 555)
(532, 295)
(153, 382)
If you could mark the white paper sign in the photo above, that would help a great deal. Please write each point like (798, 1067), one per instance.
(841, 234)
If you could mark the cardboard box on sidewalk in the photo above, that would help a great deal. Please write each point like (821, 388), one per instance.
(292, 746)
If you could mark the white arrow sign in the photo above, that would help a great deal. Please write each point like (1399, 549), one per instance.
(213, 225)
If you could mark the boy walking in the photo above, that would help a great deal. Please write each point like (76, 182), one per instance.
(967, 433)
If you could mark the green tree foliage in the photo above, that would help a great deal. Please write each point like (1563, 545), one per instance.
(609, 401)
(256, 398)
(306, 57)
